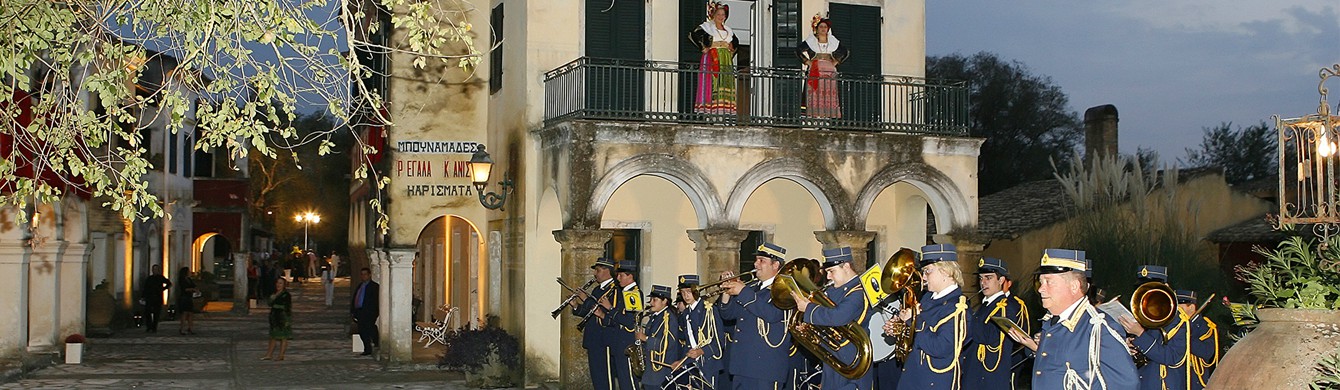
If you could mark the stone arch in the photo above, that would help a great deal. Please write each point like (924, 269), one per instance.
(948, 202)
(436, 278)
(820, 183)
(702, 194)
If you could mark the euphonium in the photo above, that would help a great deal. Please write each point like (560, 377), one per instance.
(802, 276)
(900, 275)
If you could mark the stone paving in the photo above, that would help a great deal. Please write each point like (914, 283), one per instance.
(226, 350)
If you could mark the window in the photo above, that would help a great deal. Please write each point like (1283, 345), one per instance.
(750, 245)
(496, 53)
(172, 150)
(625, 245)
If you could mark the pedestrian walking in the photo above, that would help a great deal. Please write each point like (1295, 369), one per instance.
(281, 320)
(186, 291)
(328, 281)
(365, 308)
(151, 296)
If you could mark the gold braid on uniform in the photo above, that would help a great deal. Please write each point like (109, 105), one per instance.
(960, 334)
(982, 349)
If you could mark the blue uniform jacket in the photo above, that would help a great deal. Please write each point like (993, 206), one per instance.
(1167, 350)
(664, 346)
(989, 356)
(941, 331)
(623, 317)
(706, 327)
(595, 334)
(1204, 350)
(850, 308)
(761, 347)
(1063, 354)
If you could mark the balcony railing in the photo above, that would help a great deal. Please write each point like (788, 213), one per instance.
(657, 91)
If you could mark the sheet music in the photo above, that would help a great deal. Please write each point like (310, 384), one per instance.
(1115, 309)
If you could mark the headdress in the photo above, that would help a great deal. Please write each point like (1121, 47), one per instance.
(712, 8)
(814, 21)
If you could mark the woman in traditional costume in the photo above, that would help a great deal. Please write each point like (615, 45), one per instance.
(716, 81)
(821, 53)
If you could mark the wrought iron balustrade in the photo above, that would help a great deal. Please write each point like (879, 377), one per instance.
(659, 91)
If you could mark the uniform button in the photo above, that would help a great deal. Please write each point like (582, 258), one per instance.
(1044, 354)
(1039, 373)
(1049, 335)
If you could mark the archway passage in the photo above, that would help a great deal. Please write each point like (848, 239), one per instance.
(649, 216)
(450, 271)
(787, 212)
(901, 217)
(211, 253)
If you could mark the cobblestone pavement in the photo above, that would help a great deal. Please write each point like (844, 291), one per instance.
(225, 354)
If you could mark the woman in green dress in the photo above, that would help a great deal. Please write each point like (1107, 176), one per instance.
(281, 319)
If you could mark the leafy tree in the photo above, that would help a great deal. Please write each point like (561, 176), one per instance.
(1024, 118)
(1245, 153)
(281, 187)
(69, 72)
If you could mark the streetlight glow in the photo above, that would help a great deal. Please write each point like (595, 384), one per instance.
(307, 219)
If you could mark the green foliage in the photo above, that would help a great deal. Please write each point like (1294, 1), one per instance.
(471, 349)
(238, 69)
(1245, 154)
(1023, 118)
(1125, 217)
(1298, 274)
(1328, 372)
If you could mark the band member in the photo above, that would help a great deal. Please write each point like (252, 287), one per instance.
(850, 304)
(623, 318)
(990, 352)
(1078, 348)
(1204, 340)
(661, 339)
(1164, 348)
(941, 328)
(598, 334)
(761, 345)
(702, 333)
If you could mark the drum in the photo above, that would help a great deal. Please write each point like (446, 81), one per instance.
(882, 345)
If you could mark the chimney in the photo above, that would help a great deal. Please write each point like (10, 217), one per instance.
(1100, 131)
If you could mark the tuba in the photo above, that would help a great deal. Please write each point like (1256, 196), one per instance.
(900, 275)
(802, 276)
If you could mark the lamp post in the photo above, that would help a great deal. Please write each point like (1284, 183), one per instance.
(1309, 192)
(307, 219)
(481, 165)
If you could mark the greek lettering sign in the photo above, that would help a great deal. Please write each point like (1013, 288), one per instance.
(433, 168)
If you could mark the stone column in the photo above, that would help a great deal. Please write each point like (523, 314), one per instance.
(44, 297)
(858, 240)
(397, 300)
(14, 303)
(74, 291)
(718, 251)
(580, 248)
(241, 260)
(969, 256)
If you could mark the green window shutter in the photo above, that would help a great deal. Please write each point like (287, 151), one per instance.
(788, 32)
(615, 29)
(496, 55)
(858, 26)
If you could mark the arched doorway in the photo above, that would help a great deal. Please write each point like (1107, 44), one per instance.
(451, 270)
(211, 252)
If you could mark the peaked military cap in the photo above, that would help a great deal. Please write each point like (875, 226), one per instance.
(936, 253)
(1186, 296)
(835, 256)
(603, 262)
(1063, 260)
(660, 291)
(689, 280)
(776, 252)
(1153, 272)
(991, 265)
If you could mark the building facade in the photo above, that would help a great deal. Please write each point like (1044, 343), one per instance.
(587, 107)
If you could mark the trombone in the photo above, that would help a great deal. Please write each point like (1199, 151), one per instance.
(710, 291)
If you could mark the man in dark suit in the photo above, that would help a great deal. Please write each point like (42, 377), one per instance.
(152, 295)
(365, 308)
(761, 350)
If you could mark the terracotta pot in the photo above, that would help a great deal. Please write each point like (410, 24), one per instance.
(1281, 352)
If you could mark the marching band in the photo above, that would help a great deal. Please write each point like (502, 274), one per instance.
(785, 324)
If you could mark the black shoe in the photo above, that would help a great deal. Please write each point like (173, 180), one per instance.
(365, 354)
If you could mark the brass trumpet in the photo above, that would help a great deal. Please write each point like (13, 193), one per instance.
(709, 292)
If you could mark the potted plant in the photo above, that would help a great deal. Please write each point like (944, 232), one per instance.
(74, 349)
(1295, 295)
(490, 357)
